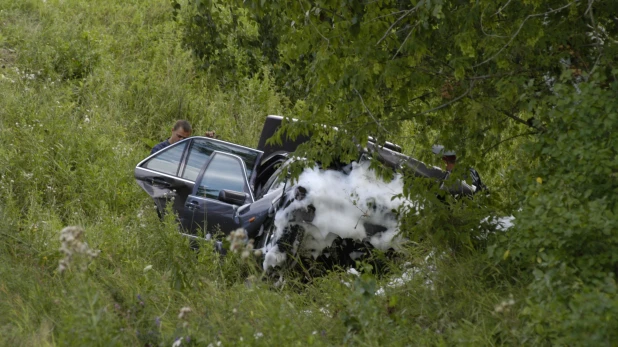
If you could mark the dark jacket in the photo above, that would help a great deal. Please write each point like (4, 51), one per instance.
(159, 146)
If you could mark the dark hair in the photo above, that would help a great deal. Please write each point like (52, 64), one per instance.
(184, 125)
(450, 158)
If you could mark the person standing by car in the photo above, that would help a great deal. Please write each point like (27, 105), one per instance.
(181, 130)
(450, 159)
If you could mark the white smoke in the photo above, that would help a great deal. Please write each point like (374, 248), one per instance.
(343, 204)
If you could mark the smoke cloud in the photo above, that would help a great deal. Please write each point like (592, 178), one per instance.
(359, 206)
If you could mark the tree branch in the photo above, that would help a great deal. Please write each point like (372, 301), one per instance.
(483, 28)
(447, 104)
(383, 16)
(369, 112)
(519, 29)
(404, 41)
(519, 120)
(484, 77)
(485, 152)
(502, 8)
(399, 19)
(310, 22)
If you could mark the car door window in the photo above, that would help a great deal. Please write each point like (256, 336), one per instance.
(201, 149)
(223, 172)
(168, 160)
(197, 157)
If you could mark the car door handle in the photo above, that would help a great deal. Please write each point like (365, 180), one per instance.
(192, 205)
(161, 182)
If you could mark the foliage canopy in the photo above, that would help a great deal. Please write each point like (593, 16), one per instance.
(531, 83)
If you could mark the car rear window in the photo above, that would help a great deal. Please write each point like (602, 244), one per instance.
(168, 160)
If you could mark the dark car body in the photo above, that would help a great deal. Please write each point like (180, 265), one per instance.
(213, 185)
(216, 186)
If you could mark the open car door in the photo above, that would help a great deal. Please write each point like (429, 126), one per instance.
(159, 176)
(173, 171)
(220, 189)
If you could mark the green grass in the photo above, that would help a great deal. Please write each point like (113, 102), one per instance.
(86, 87)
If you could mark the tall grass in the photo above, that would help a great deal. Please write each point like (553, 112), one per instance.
(86, 88)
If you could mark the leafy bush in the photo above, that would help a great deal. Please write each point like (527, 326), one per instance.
(224, 37)
(566, 230)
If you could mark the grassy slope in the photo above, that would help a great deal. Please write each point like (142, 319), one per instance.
(86, 87)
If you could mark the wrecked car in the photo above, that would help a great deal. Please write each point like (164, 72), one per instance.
(216, 187)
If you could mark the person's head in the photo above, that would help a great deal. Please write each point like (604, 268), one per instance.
(181, 130)
(448, 156)
(450, 161)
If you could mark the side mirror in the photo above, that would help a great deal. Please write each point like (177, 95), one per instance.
(232, 197)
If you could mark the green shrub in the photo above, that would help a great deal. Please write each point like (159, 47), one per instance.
(566, 230)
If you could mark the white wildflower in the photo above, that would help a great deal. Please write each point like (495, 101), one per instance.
(353, 271)
(237, 239)
(71, 239)
(325, 312)
(183, 312)
(505, 305)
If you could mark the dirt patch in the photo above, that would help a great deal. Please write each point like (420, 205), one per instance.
(7, 57)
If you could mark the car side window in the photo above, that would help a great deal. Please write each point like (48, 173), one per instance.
(168, 160)
(201, 149)
(223, 172)
(198, 155)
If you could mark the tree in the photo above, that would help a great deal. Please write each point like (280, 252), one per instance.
(474, 76)
(456, 67)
